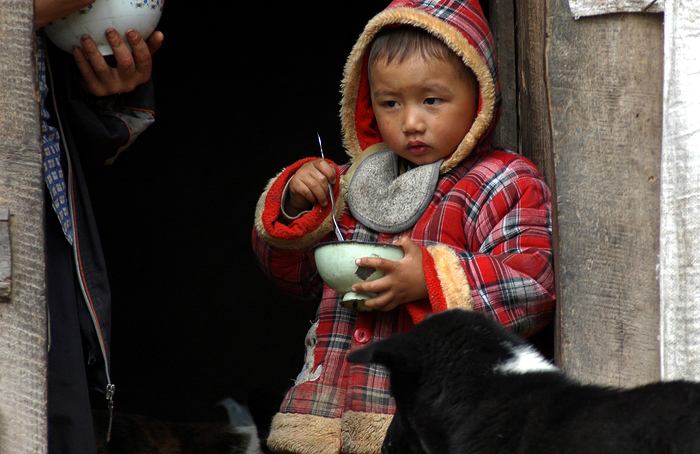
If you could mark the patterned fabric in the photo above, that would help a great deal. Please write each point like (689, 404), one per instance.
(53, 170)
(485, 238)
(466, 17)
(496, 216)
(493, 211)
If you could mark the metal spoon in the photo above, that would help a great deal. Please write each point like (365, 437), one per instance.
(330, 189)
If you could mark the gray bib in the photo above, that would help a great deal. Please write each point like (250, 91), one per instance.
(385, 201)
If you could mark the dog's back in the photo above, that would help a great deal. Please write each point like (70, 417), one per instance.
(464, 384)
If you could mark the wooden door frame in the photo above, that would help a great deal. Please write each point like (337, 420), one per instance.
(23, 319)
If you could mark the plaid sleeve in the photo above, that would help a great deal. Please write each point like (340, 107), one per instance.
(283, 249)
(299, 233)
(292, 271)
(495, 245)
(511, 273)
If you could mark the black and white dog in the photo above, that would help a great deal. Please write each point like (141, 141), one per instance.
(464, 384)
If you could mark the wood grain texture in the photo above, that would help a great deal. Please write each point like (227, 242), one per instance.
(534, 139)
(534, 124)
(679, 268)
(502, 23)
(604, 77)
(5, 256)
(23, 340)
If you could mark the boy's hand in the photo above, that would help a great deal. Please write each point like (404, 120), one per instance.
(100, 79)
(309, 186)
(403, 282)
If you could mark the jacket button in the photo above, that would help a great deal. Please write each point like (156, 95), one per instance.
(362, 335)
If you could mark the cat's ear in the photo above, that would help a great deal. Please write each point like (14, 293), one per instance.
(399, 352)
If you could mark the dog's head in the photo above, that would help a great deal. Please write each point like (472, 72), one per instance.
(438, 371)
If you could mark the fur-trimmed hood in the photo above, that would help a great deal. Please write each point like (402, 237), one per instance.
(461, 25)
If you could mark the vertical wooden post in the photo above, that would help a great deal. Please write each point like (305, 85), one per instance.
(679, 264)
(502, 24)
(604, 77)
(533, 117)
(534, 134)
(23, 320)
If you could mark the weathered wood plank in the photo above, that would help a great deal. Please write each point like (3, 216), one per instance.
(679, 268)
(534, 131)
(23, 320)
(534, 135)
(604, 77)
(583, 8)
(5, 256)
(502, 22)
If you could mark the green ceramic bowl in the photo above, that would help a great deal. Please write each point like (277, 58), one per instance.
(335, 262)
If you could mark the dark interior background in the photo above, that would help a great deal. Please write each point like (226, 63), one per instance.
(240, 94)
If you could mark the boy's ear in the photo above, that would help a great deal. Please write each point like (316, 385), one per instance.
(398, 353)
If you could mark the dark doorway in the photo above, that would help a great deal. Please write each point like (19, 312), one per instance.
(240, 95)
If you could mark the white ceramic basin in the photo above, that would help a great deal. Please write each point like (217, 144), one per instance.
(141, 15)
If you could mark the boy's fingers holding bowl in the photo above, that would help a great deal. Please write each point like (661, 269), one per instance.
(376, 262)
(384, 301)
(406, 243)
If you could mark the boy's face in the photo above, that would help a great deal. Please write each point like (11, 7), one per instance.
(422, 106)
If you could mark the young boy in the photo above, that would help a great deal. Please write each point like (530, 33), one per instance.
(420, 99)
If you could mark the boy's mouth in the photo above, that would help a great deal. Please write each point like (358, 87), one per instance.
(416, 147)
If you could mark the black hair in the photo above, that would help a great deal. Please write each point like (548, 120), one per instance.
(400, 43)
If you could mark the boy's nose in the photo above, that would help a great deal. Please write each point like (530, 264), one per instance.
(413, 122)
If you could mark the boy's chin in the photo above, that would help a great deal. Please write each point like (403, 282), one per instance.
(421, 156)
(420, 160)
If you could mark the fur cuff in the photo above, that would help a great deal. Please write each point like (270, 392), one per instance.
(304, 434)
(363, 433)
(303, 232)
(448, 287)
(355, 432)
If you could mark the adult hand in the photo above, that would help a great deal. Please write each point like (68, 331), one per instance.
(403, 282)
(101, 79)
(46, 11)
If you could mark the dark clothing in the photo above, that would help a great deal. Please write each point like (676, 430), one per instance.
(69, 402)
(79, 296)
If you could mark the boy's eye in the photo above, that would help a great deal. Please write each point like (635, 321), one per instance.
(432, 101)
(389, 104)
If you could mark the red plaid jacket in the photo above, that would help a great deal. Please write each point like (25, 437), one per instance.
(486, 240)
(485, 237)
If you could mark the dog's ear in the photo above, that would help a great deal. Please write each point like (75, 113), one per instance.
(398, 352)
